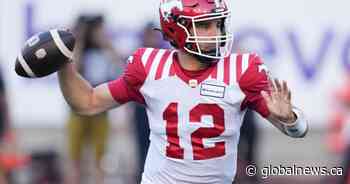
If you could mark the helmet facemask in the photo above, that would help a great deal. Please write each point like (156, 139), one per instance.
(219, 45)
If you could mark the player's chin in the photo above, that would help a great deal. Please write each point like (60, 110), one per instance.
(209, 51)
(207, 47)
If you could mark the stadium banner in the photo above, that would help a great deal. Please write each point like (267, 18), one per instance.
(306, 43)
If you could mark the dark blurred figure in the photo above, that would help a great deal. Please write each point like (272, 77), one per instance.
(10, 156)
(149, 38)
(248, 143)
(346, 177)
(93, 55)
(45, 168)
(247, 149)
(4, 123)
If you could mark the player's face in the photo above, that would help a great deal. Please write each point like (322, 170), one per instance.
(210, 28)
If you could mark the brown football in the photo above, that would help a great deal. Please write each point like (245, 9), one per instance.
(44, 53)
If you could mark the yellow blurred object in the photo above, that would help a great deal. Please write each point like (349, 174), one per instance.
(87, 129)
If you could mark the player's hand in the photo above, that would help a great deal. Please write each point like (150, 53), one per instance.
(279, 101)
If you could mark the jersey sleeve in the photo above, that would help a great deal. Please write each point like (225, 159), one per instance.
(127, 87)
(254, 80)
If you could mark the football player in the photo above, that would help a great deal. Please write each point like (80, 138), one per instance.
(195, 95)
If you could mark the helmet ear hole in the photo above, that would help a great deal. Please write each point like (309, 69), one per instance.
(182, 21)
(171, 30)
(188, 45)
(172, 43)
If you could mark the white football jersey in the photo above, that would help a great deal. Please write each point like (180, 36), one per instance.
(194, 117)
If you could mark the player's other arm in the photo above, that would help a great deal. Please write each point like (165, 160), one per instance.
(272, 100)
(81, 96)
(289, 119)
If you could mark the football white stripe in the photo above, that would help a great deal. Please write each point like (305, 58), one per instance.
(233, 71)
(169, 61)
(245, 62)
(60, 45)
(25, 66)
(155, 64)
(146, 55)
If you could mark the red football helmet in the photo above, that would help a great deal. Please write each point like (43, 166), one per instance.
(179, 18)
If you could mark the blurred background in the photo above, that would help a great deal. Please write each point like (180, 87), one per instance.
(306, 43)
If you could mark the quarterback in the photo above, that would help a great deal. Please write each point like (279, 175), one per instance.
(196, 95)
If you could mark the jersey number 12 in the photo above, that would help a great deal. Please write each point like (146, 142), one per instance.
(174, 150)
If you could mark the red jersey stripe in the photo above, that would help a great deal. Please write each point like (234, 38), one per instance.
(172, 69)
(238, 67)
(161, 64)
(214, 73)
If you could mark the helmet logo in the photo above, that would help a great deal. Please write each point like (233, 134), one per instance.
(218, 6)
(167, 6)
(217, 3)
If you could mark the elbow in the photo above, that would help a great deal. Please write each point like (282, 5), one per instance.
(86, 109)
(85, 112)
